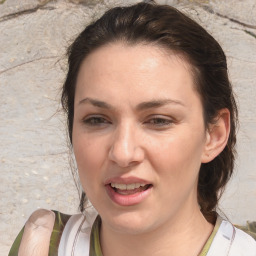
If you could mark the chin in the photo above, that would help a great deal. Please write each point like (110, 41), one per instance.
(129, 223)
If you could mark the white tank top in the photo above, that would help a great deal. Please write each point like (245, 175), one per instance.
(228, 241)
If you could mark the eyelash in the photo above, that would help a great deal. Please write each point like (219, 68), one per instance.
(158, 122)
(95, 121)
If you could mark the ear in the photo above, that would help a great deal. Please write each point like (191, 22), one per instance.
(216, 136)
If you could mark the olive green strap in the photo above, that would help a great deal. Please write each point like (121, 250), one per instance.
(95, 248)
(15, 247)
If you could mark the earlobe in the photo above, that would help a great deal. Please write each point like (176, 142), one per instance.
(216, 136)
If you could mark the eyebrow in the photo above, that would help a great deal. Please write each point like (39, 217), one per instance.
(96, 103)
(157, 104)
(142, 106)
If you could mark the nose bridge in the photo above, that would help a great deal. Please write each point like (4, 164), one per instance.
(125, 148)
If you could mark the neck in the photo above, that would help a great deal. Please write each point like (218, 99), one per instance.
(186, 235)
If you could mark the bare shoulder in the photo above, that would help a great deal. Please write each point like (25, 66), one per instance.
(37, 233)
(41, 218)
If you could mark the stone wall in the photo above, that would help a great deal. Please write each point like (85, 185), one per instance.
(34, 159)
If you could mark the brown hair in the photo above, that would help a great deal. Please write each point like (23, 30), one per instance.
(167, 27)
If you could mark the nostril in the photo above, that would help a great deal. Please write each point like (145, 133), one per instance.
(126, 157)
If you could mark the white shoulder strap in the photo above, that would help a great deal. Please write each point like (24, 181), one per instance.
(223, 240)
(243, 245)
(75, 239)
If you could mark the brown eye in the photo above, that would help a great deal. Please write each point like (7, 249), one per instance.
(159, 122)
(95, 121)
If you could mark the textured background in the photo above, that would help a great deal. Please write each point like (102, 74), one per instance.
(34, 162)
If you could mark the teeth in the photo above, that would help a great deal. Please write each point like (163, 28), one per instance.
(137, 185)
(130, 186)
(127, 186)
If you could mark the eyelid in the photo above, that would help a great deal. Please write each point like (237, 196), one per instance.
(167, 120)
(86, 120)
(159, 116)
(94, 115)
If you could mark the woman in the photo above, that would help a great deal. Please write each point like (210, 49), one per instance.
(152, 122)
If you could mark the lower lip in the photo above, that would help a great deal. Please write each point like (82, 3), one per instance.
(127, 200)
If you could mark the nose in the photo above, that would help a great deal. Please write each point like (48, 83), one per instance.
(126, 148)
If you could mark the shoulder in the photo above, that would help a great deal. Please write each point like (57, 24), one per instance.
(41, 218)
(48, 219)
(231, 241)
(243, 244)
(41, 223)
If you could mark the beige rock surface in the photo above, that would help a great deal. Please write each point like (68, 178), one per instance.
(34, 162)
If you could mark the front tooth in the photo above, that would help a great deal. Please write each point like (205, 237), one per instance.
(127, 186)
(137, 185)
(131, 186)
(120, 186)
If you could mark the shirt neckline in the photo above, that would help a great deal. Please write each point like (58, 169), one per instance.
(95, 247)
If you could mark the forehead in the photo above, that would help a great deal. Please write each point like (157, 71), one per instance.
(140, 56)
(135, 72)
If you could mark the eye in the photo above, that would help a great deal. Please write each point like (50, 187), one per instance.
(95, 121)
(159, 122)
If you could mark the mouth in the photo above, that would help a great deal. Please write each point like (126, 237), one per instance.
(128, 194)
(129, 189)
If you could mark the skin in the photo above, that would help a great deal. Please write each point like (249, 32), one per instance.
(164, 145)
(37, 234)
(115, 135)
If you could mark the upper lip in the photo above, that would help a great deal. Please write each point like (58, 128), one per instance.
(126, 180)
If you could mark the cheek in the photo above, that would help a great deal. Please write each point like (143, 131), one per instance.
(178, 155)
(89, 157)
(177, 163)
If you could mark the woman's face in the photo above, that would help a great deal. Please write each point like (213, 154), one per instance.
(138, 136)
